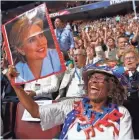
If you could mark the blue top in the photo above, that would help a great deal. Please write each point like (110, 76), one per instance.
(65, 39)
(51, 64)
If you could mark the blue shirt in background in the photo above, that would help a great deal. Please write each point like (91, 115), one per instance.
(65, 39)
(51, 64)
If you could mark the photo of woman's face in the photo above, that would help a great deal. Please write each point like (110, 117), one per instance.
(35, 45)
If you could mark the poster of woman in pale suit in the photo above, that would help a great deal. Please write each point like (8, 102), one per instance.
(31, 45)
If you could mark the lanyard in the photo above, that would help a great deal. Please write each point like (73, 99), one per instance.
(79, 77)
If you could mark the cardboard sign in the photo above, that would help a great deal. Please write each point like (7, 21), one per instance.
(31, 45)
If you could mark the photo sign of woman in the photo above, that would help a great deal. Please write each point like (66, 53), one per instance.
(32, 46)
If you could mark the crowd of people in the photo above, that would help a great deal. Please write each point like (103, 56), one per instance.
(95, 52)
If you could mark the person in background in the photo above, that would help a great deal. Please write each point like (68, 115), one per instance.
(100, 54)
(99, 115)
(122, 43)
(6, 88)
(72, 80)
(68, 26)
(64, 36)
(134, 38)
(91, 56)
(45, 87)
(131, 64)
(110, 53)
(80, 43)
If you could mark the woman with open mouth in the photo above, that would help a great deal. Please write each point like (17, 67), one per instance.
(131, 64)
(32, 59)
(99, 115)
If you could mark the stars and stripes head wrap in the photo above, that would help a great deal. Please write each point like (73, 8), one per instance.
(114, 73)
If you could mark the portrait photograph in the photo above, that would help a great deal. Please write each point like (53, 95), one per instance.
(31, 45)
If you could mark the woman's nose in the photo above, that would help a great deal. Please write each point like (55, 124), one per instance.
(40, 41)
(94, 80)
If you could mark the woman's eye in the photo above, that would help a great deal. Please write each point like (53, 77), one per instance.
(32, 39)
(41, 35)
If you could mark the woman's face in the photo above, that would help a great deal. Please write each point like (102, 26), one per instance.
(90, 52)
(80, 43)
(130, 61)
(97, 88)
(110, 42)
(101, 33)
(35, 46)
(109, 33)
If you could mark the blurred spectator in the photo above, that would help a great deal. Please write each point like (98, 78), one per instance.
(91, 56)
(122, 43)
(131, 63)
(64, 36)
(72, 83)
(110, 53)
(6, 88)
(43, 87)
(68, 26)
(75, 28)
(100, 53)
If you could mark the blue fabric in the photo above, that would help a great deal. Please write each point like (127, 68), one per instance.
(65, 39)
(51, 64)
(68, 121)
(87, 112)
(117, 71)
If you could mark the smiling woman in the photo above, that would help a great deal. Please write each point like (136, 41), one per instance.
(32, 58)
(99, 115)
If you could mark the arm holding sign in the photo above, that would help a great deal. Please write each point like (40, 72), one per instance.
(50, 115)
(27, 102)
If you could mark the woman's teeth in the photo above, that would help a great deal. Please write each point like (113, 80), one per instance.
(40, 50)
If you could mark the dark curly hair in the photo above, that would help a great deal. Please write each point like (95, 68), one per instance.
(117, 93)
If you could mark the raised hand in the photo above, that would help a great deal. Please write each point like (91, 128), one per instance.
(12, 73)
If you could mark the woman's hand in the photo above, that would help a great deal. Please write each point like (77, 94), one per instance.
(12, 73)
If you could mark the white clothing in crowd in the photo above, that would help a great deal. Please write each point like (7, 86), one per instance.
(68, 26)
(93, 61)
(44, 87)
(73, 83)
(60, 111)
(111, 54)
(75, 88)
(99, 52)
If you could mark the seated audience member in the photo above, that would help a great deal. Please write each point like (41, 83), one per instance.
(72, 80)
(110, 53)
(100, 53)
(99, 115)
(131, 63)
(43, 87)
(122, 43)
(91, 56)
